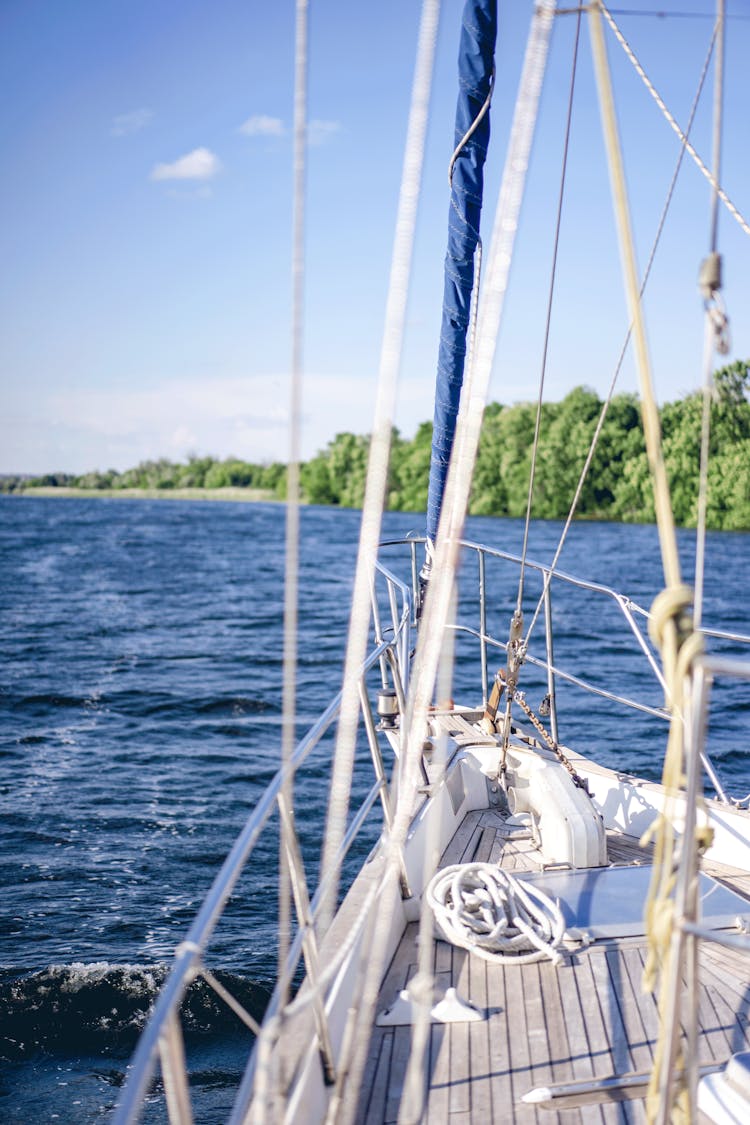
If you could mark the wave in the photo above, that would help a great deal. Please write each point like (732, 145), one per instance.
(145, 702)
(102, 1008)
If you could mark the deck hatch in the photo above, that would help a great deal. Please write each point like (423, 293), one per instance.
(608, 902)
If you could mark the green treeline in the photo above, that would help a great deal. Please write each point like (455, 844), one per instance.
(618, 485)
(199, 472)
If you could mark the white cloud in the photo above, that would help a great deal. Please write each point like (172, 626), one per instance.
(261, 125)
(244, 415)
(82, 428)
(133, 122)
(318, 131)
(200, 164)
(183, 438)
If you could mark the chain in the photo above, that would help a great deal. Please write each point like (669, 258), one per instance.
(520, 699)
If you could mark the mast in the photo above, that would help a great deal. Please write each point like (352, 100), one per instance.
(472, 133)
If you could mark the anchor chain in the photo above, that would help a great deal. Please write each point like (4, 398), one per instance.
(520, 699)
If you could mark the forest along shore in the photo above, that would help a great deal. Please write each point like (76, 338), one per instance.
(618, 486)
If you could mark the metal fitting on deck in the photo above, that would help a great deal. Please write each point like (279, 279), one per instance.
(387, 707)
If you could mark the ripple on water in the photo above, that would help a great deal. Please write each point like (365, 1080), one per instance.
(140, 708)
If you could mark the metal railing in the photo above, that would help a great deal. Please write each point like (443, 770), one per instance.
(632, 615)
(162, 1042)
(394, 602)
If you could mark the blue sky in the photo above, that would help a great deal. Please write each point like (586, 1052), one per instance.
(146, 203)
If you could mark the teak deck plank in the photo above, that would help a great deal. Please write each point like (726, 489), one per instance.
(498, 1037)
(588, 1017)
(460, 1098)
(479, 1042)
(377, 1077)
(519, 1053)
(579, 1046)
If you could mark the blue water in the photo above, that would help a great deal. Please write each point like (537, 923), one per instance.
(141, 658)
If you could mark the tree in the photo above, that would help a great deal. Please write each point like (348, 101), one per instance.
(410, 471)
(315, 481)
(618, 485)
(273, 478)
(337, 474)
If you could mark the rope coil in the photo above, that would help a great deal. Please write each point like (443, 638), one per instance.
(483, 909)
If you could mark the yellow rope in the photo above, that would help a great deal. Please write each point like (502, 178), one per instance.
(668, 626)
(671, 628)
(651, 423)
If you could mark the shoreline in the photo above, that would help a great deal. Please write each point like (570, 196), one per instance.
(235, 494)
(62, 492)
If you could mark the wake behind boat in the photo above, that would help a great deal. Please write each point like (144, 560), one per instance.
(491, 957)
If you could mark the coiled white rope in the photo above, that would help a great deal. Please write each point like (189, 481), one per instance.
(479, 907)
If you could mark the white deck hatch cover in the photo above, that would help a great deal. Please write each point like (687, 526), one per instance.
(608, 902)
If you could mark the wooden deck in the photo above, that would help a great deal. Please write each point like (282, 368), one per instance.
(588, 1018)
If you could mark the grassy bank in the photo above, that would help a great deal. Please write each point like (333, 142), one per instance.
(64, 492)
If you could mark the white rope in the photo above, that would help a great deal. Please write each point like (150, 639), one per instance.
(291, 569)
(437, 605)
(487, 911)
(380, 446)
(733, 211)
(471, 130)
(353, 1058)
(292, 878)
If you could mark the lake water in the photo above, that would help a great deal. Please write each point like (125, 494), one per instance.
(141, 662)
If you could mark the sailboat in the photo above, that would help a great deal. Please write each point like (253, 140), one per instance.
(532, 934)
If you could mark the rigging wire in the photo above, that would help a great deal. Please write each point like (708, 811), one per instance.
(662, 14)
(651, 425)
(545, 348)
(515, 647)
(718, 122)
(734, 212)
(623, 350)
(655, 13)
(672, 15)
(714, 328)
(715, 338)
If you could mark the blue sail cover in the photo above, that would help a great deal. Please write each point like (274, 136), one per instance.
(475, 68)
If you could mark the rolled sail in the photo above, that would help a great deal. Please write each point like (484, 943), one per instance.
(475, 72)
